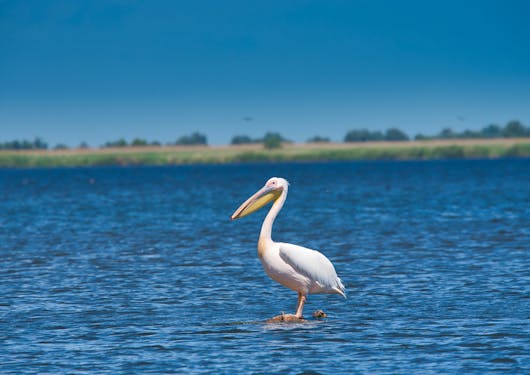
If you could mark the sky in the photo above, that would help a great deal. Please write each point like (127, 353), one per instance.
(75, 71)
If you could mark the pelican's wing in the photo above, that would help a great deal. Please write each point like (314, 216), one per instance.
(313, 265)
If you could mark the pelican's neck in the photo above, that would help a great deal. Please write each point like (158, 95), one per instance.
(265, 236)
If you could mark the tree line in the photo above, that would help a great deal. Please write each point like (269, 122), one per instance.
(195, 138)
(512, 129)
(35, 144)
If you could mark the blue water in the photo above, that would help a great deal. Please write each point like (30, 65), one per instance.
(140, 270)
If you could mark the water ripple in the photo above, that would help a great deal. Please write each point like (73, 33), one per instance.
(139, 270)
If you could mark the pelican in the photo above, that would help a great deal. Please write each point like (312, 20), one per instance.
(298, 268)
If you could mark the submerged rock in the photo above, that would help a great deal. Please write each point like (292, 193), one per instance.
(288, 318)
(291, 318)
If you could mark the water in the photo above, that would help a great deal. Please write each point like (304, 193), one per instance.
(140, 270)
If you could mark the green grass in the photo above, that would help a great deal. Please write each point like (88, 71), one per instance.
(389, 153)
(207, 155)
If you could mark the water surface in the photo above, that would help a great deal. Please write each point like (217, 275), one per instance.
(140, 270)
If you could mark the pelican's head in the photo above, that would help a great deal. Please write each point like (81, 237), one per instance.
(270, 192)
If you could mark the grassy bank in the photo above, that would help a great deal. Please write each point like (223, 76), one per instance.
(424, 150)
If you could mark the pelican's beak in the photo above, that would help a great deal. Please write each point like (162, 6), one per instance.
(263, 196)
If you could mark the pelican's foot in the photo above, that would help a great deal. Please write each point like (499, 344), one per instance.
(291, 318)
(319, 314)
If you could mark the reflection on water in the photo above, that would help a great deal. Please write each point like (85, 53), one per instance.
(109, 270)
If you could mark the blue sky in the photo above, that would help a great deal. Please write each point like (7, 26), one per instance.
(94, 71)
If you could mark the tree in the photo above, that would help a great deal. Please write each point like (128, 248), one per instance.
(138, 142)
(447, 133)
(318, 139)
(363, 135)
(192, 139)
(38, 143)
(491, 131)
(273, 140)
(514, 129)
(26, 145)
(394, 134)
(119, 143)
(241, 140)
(421, 137)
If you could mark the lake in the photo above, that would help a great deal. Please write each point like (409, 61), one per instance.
(140, 270)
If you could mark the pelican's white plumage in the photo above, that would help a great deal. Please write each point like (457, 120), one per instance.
(314, 266)
(301, 269)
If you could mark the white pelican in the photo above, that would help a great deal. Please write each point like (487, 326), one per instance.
(303, 270)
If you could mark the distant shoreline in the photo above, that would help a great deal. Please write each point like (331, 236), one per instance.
(306, 152)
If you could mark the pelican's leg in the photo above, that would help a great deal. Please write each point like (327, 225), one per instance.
(300, 307)
(291, 317)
